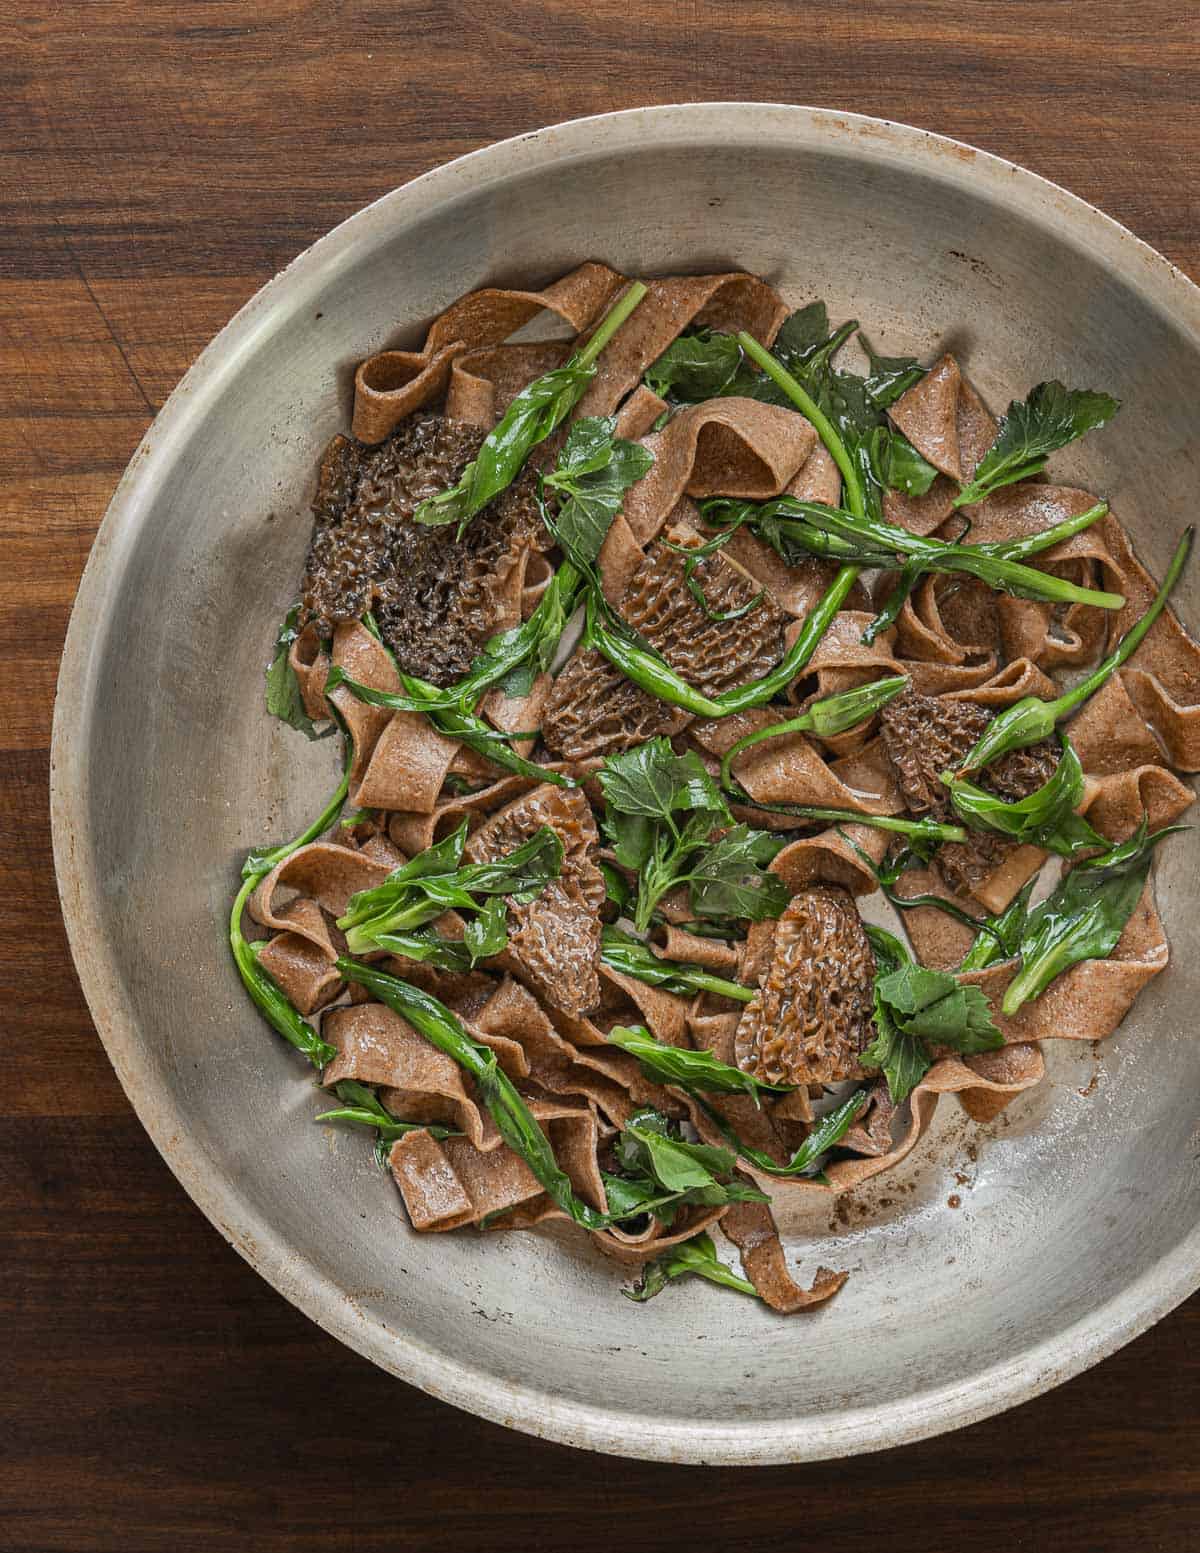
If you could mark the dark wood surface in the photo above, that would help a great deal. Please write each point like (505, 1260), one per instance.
(158, 162)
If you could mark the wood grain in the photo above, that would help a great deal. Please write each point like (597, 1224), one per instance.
(158, 162)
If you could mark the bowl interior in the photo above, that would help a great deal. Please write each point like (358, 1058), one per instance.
(1077, 1207)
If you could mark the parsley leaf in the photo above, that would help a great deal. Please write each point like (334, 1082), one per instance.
(590, 478)
(917, 1008)
(653, 781)
(1050, 418)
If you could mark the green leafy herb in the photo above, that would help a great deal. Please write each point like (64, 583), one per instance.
(889, 376)
(698, 1256)
(646, 790)
(1031, 719)
(917, 1008)
(1050, 418)
(646, 1144)
(632, 957)
(1084, 917)
(593, 472)
(451, 720)
(431, 884)
(1000, 936)
(363, 1107)
(1046, 818)
(697, 1072)
(484, 935)
(617, 888)
(1019, 549)
(728, 879)
(699, 364)
(896, 465)
(795, 527)
(652, 780)
(265, 992)
(826, 718)
(533, 415)
(826, 1134)
(285, 699)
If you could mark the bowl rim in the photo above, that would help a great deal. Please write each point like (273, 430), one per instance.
(915, 1416)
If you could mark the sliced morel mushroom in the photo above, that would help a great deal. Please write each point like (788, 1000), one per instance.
(437, 599)
(594, 710)
(811, 1018)
(926, 735)
(555, 938)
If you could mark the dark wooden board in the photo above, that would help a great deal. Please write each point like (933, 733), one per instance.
(158, 162)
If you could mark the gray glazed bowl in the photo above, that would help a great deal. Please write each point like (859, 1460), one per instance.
(1079, 1222)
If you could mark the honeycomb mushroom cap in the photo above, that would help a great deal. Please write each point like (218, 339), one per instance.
(594, 710)
(554, 939)
(438, 600)
(811, 1018)
(926, 735)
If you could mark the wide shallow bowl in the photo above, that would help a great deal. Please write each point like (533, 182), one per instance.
(997, 1261)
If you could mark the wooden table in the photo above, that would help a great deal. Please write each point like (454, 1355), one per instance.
(158, 162)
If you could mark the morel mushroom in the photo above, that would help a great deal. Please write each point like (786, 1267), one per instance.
(595, 710)
(554, 939)
(438, 600)
(926, 735)
(811, 1018)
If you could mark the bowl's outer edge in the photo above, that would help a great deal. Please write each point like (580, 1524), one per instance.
(640, 1435)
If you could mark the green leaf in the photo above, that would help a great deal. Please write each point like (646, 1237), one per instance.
(695, 1071)
(1001, 939)
(407, 900)
(537, 411)
(486, 934)
(916, 1008)
(698, 1256)
(629, 955)
(699, 364)
(285, 699)
(363, 1107)
(632, 837)
(802, 333)
(900, 1056)
(1045, 818)
(678, 1166)
(654, 782)
(592, 474)
(889, 376)
(730, 880)
(932, 1005)
(443, 857)
(1084, 917)
(899, 465)
(1050, 418)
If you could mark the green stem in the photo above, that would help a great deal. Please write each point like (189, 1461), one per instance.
(922, 830)
(612, 321)
(1031, 719)
(809, 408)
(1044, 539)
(264, 990)
(1132, 639)
(450, 720)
